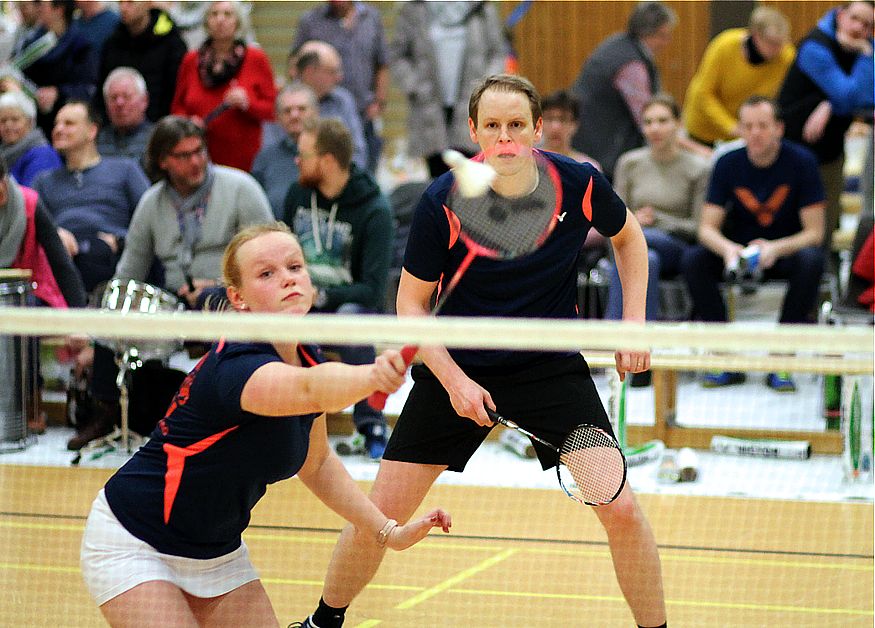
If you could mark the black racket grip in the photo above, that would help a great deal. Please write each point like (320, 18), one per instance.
(377, 400)
(497, 418)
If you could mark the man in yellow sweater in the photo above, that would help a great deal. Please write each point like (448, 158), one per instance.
(737, 64)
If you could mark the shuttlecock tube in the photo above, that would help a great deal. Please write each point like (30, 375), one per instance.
(688, 465)
(473, 178)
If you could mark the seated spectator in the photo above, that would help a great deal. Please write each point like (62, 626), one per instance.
(185, 220)
(91, 198)
(23, 146)
(96, 22)
(664, 186)
(344, 224)
(190, 214)
(67, 70)
(147, 40)
(29, 239)
(561, 116)
(737, 64)
(766, 195)
(829, 83)
(275, 166)
(318, 66)
(228, 87)
(126, 130)
(438, 51)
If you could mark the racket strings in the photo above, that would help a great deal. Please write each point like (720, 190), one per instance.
(509, 227)
(593, 469)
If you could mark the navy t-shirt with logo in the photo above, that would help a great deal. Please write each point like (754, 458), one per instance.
(542, 284)
(190, 489)
(765, 202)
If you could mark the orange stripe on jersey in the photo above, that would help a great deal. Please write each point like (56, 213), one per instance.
(587, 201)
(455, 226)
(310, 359)
(176, 463)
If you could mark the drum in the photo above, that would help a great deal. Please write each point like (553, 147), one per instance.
(15, 365)
(123, 296)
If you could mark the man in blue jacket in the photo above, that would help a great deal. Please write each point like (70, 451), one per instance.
(829, 84)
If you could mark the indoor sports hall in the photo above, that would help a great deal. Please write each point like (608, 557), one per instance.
(751, 541)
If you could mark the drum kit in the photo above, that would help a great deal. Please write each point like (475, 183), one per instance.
(124, 296)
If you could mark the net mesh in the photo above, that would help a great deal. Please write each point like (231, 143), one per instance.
(752, 541)
(510, 227)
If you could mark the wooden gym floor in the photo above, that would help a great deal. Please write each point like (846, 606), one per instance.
(516, 557)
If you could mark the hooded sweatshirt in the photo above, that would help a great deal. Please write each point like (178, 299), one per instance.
(347, 240)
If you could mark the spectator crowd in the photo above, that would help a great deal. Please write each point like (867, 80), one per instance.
(140, 137)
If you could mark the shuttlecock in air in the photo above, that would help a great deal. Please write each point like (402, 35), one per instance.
(472, 177)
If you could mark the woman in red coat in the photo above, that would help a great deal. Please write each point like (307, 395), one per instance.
(229, 86)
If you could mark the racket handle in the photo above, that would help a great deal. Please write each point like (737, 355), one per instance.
(377, 400)
(497, 418)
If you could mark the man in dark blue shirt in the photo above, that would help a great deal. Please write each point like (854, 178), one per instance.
(766, 195)
(444, 420)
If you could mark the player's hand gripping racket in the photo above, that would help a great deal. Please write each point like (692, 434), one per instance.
(491, 225)
(591, 469)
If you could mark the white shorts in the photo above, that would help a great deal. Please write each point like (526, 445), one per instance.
(114, 561)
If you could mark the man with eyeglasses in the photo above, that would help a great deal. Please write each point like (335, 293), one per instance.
(189, 215)
(184, 221)
(344, 224)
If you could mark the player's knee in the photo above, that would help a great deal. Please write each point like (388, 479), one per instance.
(621, 515)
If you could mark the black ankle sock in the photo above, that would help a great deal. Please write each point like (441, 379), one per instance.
(328, 616)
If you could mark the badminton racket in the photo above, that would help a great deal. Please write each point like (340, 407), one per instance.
(591, 468)
(490, 225)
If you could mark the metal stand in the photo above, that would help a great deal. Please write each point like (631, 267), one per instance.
(128, 362)
(119, 440)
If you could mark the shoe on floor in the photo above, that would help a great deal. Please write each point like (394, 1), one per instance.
(641, 380)
(716, 379)
(351, 445)
(101, 422)
(376, 437)
(780, 382)
(301, 624)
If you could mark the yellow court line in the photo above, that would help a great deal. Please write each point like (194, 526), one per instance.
(666, 556)
(447, 584)
(717, 560)
(24, 525)
(43, 568)
(369, 623)
(459, 577)
(669, 602)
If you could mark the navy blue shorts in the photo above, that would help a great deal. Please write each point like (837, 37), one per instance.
(548, 399)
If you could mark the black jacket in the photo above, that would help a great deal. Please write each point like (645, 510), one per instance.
(156, 53)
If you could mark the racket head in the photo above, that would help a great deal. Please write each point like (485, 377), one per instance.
(501, 227)
(592, 468)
